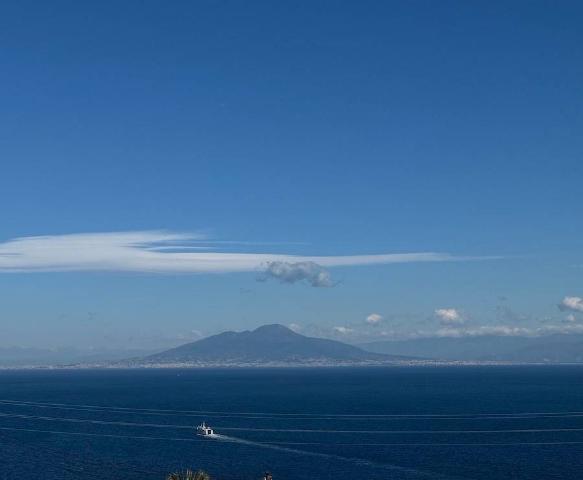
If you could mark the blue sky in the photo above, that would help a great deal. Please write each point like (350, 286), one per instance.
(301, 128)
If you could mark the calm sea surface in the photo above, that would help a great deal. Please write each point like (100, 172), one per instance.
(378, 423)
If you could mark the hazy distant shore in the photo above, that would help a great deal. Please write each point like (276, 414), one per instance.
(210, 366)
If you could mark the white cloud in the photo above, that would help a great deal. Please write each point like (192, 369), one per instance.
(295, 327)
(574, 304)
(449, 316)
(571, 318)
(292, 272)
(374, 319)
(166, 252)
(343, 330)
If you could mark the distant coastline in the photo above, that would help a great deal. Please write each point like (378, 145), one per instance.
(276, 346)
(278, 365)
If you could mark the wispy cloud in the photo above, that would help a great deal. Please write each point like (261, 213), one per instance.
(342, 330)
(168, 252)
(486, 330)
(509, 331)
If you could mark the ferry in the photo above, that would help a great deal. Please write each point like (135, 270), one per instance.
(205, 431)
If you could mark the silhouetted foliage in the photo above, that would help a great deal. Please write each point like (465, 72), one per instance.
(189, 475)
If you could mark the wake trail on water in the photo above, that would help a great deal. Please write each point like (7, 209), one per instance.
(224, 438)
(279, 415)
(331, 456)
(181, 439)
(283, 430)
(102, 435)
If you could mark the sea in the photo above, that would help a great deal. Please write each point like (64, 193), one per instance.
(458, 422)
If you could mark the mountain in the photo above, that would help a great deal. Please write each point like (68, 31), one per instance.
(269, 344)
(557, 348)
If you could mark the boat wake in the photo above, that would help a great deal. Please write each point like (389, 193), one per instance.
(412, 473)
(207, 434)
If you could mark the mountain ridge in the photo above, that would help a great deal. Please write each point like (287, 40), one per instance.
(556, 348)
(267, 344)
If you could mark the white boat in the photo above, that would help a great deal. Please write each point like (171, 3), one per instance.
(204, 430)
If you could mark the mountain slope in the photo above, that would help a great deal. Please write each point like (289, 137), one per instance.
(269, 343)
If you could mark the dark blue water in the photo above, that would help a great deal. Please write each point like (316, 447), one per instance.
(478, 422)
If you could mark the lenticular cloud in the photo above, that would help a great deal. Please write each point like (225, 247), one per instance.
(169, 252)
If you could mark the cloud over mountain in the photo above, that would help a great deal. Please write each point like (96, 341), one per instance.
(292, 272)
(342, 330)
